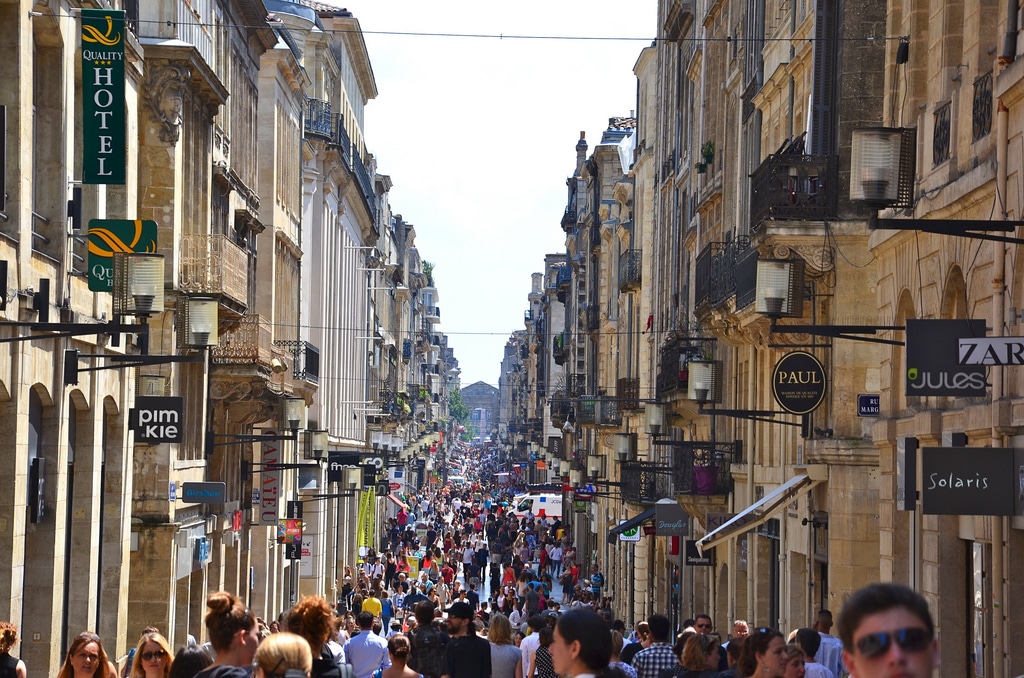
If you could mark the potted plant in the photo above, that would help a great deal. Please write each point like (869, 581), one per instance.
(702, 167)
(708, 152)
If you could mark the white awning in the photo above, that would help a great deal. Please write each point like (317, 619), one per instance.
(765, 508)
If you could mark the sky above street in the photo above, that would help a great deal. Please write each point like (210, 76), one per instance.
(478, 135)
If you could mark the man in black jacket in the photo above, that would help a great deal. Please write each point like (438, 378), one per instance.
(467, 654)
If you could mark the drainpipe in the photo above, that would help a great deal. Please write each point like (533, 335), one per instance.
(1009, 53)
(999, 299)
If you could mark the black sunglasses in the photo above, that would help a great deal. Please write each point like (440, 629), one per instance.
(914, 639)
(149, 656)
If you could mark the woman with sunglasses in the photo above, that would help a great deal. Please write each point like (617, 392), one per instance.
(280, 653)
(152, 657)
(87, 659)
(233, 634)
(763, 655)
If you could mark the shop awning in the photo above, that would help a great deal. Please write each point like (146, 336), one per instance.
(767, 507)
(613, 534)
(398, 502)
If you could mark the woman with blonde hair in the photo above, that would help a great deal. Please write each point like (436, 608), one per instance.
(233, 634)
(86, 658)
(506, 658)
(10, 665)
(152, 657)
(282, 652)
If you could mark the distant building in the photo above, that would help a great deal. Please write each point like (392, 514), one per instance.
(481, 399)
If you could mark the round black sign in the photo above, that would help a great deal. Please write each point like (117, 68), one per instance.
(798, 382)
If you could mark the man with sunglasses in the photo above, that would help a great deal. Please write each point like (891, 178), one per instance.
(706, 627)
(887, 630)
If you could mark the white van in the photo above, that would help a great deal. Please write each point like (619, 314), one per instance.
(548, 503)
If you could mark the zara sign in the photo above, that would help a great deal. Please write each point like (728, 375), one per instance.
(157, 419)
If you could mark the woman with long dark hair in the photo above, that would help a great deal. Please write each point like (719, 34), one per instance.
(763, 655)
(582, 645)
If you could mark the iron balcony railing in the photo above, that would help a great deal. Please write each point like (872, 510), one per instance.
(598, 411)
(250, 342)
(561, 407)
(627, 392)
(560, 348)
(577, 385)
(629, 270)
(715, 273)
(672, 375)
(795, 188)
(305, 359)
(704, 468)
(569, 218)
(365, 184)
(645, 482)
(319, 121)
(212, 264)
(342, 140)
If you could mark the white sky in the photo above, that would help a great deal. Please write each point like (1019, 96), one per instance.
(479, 134)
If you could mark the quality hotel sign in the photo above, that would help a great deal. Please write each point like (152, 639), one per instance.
(103, 103)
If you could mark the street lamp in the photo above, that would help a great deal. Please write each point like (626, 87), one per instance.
(138, 283)
(198, 321)
(625, 445)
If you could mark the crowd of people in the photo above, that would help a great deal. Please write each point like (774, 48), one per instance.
(463, 587)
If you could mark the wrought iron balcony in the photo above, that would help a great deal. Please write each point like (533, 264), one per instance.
(319, 121)
(629, 270)
(569, 218)
(342, 140)
(577, 385)
(249, 343)
(212, 264)
(794, 187)
(595, 234)
(704, 468)
(305, 359)
(598, 411)
(560, 348)
(561, 407)
(627, 392)
(645, 482)
(672, 374)
(365, 184)
(715, 273)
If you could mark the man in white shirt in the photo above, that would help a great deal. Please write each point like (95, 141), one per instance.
(530, 643)
(555, 556)
(830, 654)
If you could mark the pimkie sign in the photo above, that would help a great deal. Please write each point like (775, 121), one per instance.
(799, 383)
(103, 102)
(157, 419)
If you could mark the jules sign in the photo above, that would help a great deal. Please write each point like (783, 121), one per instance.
(103, 102)
(970, 481)
(933, 360)
(798, 382)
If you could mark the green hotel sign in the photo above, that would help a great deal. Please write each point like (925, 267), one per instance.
(103, 102)
(107, 236)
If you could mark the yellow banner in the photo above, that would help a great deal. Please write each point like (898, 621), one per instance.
(367, 504)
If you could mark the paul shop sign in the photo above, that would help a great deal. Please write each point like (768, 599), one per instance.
(971, 481)
(157, 419)
(933, 358)
(799, 383)
(103, 102)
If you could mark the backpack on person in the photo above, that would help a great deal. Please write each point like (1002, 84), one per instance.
(427, 656)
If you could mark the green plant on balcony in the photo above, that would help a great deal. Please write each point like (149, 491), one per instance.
(707, 151)
(424, 394)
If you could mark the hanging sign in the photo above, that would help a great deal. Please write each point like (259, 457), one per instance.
(103, 102)
(933, 360)
(107, 236)
(799, 383)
